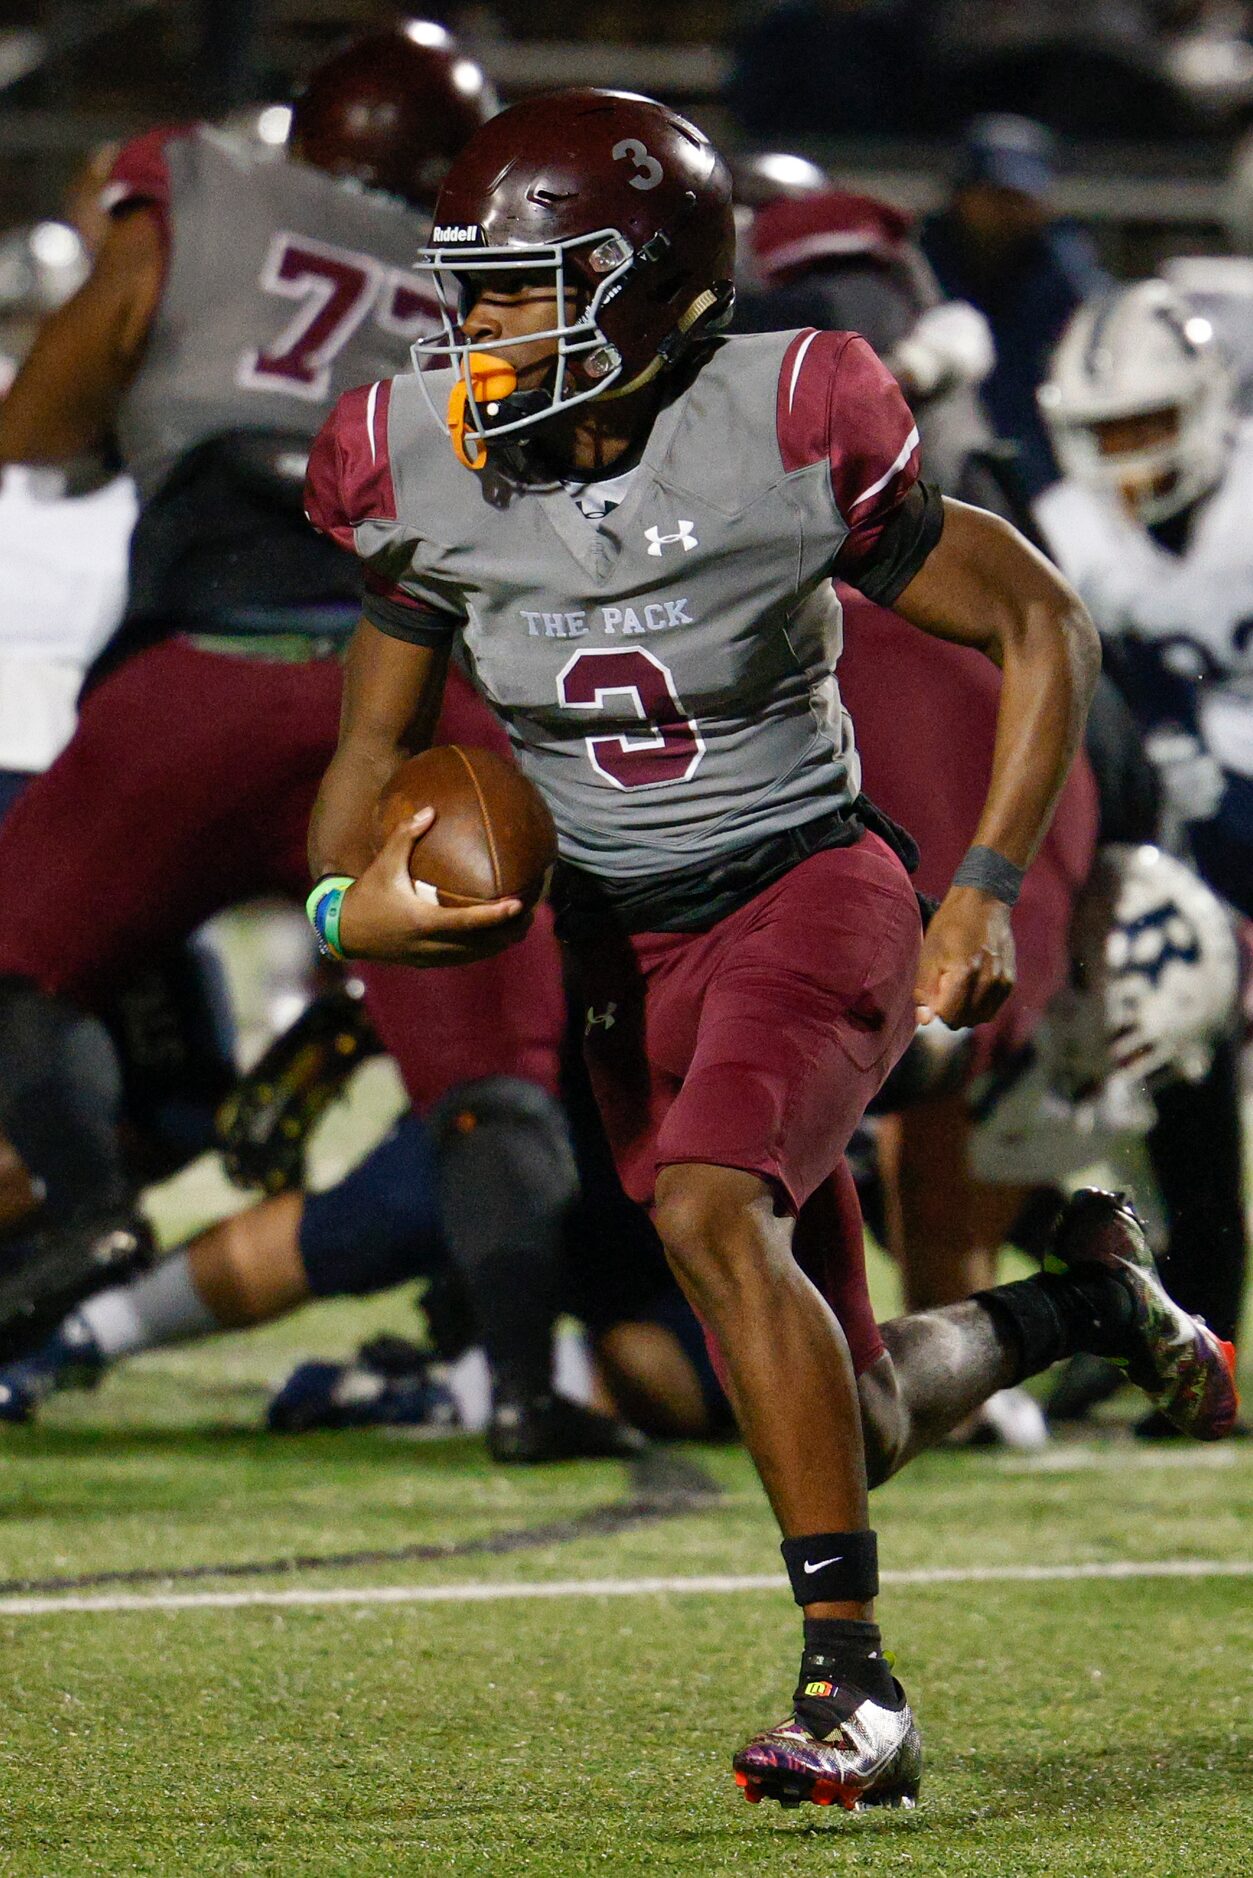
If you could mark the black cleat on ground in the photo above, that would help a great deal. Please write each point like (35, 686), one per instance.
(69, 1359)
(553, 1428)
(873, 1758)
(1186, 1371)
(264, 1123)
(63, 1265)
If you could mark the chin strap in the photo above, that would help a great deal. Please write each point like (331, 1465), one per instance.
(492, 380)
(669, 347)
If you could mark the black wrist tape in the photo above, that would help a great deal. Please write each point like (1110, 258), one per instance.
(991, 873)
(833, 1567)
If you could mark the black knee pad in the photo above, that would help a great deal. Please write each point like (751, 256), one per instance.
(60, 1098)
(506, 1166)
(507, 1182)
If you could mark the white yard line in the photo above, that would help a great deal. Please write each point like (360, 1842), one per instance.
(715, 1586)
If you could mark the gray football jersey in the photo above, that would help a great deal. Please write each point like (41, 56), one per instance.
(666, 674)
(283, 288)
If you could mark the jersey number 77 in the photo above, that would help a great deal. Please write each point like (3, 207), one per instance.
(336, 290)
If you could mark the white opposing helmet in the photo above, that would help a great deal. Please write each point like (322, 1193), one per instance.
(1156, 967)
(1157, 983)
(1130, 353)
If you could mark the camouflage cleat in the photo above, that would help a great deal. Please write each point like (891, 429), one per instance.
(873, 1757)
(1186, 1370)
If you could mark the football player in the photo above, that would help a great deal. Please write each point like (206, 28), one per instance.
(1149, 522)
(631, 525)
(383, 1225)
(232, 299)
(828, 257)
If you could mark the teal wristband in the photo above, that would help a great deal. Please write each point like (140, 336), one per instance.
(323, 910)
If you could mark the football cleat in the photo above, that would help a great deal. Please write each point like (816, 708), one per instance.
(265, 1122)
(63, 1265)
(70, 1359)
(390, 1385)
(1187, 1372)
(531, 1431)
(873, 1757)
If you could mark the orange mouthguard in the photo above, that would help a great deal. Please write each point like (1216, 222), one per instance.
(491, 379)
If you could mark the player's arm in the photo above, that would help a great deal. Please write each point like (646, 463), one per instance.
(982, 585)
(392, 695)
(64, 400)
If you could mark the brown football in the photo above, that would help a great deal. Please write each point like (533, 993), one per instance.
(492, 837)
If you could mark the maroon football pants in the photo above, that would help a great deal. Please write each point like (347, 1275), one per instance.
(759, 1045)
(186, 789)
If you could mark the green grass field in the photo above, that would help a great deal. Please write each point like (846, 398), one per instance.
(1073, 1726)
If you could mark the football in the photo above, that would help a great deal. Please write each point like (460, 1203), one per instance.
(492, 836)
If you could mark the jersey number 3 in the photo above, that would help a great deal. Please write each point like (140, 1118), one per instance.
(670, 746)
(335, 290)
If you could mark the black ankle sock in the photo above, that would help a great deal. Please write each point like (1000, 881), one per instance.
(1055, 1315)
(842, 1658)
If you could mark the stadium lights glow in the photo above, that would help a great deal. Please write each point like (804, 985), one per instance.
(467, 77)
(273, 124)
(427, 33)
(54, 244)
(789, 171)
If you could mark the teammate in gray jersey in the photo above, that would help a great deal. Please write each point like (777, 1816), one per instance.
(744, 944)
(233, 298)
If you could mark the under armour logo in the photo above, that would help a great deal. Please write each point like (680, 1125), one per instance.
(605, 1019)
(657, 541)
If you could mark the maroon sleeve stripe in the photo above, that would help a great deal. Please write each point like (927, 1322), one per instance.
(837, 401)
(908, 449)
(349, 478)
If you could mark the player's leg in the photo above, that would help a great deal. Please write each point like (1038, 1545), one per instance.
(376, 1228)
(148, 812)
(730, 1245)
(947, 1229)
(477, 1048)
(777, 1028)
(1197, 1152)
(1101, 1295)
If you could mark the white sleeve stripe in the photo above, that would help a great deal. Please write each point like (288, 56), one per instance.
(796, 368)
(907, 450)
(370, 404)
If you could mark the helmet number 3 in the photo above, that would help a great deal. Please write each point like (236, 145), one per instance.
(661, 745)
(648, 171)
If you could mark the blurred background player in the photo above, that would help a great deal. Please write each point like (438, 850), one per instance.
(233, 297)
(813, 255)
(1149, 520)
(999, 244)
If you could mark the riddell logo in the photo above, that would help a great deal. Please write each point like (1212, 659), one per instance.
(456, 231)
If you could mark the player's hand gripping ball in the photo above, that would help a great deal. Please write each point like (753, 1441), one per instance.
(464, 844)
(492, 837)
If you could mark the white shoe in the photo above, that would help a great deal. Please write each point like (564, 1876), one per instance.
(1011, 1419)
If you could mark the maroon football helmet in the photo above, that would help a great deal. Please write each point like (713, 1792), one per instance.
(604, 192)
(392, 109)
(775, 176)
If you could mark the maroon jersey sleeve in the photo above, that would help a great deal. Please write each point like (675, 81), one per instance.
(140, 175)
(348, 486)
(838, 402)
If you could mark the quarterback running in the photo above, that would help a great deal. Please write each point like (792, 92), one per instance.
(628, 526)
